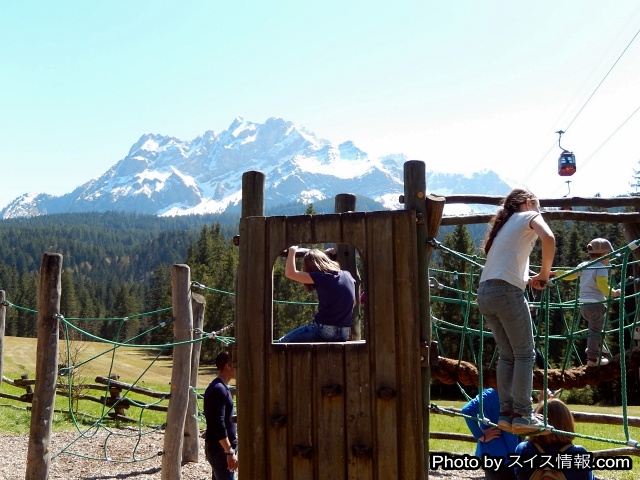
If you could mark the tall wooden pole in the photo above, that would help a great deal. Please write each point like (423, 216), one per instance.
(191, 446)
(346, 202)
(44, 395)
(247, 338)
(3, 319)
(415, 199)
(253, 194)
(180, 373)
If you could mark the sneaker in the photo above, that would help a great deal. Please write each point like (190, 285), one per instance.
(532, 425)
(594, 363)
(504, 421)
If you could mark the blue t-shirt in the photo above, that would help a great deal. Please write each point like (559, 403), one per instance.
(336, 294)
(528, 450)
(502, 446)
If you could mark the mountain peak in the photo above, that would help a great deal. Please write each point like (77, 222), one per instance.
(152, 142)
(163, 175)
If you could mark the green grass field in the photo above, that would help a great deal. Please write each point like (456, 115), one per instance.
(131, 363)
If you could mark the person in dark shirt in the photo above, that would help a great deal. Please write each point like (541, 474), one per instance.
(553, 445)
(336, 297)
(220, 437)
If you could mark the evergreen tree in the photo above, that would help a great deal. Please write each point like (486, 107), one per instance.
(158, 297)
(213, 262)
(460, 276)
(69, 307)
(27, 299)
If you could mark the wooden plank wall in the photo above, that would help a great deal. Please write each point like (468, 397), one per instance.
(331, 410)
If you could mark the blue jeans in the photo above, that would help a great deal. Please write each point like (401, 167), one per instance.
(507, 314)
(218, 461)
(314, 332)
(593, 313)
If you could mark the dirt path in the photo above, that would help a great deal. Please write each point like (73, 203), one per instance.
(13, 456)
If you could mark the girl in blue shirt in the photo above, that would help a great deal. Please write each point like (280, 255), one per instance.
(336, 297)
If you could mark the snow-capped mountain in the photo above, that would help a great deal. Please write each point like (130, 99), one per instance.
(166, 176)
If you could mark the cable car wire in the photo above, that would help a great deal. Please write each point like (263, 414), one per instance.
(537, 165)
(593, 154)
(610, 136)
(602, 81)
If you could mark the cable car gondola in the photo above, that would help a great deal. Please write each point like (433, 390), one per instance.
(566, 160)
(566, 164)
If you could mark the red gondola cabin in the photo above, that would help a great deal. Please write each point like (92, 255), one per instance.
(566, 164)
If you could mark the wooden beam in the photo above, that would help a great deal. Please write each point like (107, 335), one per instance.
(598, 202)
(579, 216)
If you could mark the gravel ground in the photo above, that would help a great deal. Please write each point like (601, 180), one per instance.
(13, 455)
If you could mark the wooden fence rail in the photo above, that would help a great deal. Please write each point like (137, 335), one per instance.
(111, 387)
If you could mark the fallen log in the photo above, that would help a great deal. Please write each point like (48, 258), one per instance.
(450, 371)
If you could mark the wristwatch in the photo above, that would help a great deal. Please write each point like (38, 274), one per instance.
(231, 452)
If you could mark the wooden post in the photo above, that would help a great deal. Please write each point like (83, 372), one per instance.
(39, 455)
(253, 194)
(180, 373)
(115, 397)
(191, 445)
(346, 202)
(249, 339)
(3, 318)
(415, 199)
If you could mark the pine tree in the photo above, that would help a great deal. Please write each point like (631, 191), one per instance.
(69, 307)
(27, 298)
(459, 277)
(157, 298)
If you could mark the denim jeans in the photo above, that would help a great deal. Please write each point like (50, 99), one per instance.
(507, 314)
(314, 332)
(593, 313)
(218, 461)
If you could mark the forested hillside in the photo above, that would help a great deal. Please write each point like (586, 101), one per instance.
(114, 264)
(118, 265)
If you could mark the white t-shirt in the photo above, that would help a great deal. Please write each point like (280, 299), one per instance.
(589, 291)
(508, 258)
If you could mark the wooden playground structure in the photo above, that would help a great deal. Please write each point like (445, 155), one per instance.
(352, 410)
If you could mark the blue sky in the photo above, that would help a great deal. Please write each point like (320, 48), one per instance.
(462, 85)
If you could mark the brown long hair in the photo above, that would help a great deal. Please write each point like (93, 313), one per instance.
(317, 261)
(510, 205)
(561, 418)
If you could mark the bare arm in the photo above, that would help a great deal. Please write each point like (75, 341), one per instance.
(548, 251)
(290, 270)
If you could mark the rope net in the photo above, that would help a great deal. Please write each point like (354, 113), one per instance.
(559, 334)
(107, 426)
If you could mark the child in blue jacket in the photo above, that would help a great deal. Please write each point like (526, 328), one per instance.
(491, 440)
